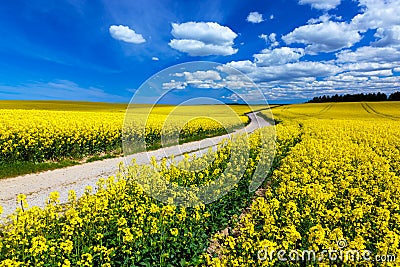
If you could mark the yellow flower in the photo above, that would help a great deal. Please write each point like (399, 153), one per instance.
(54, 197)
(67, 246)
(66, 263)
(128, 236)
(39, 245)
(86, 260)
(174, 231)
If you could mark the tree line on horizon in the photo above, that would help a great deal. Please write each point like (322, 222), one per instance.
(356, 97)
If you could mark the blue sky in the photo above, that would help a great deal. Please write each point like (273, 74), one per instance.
(291, 49)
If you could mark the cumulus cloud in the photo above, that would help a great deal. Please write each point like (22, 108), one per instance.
(346, 77)
(388, 36)
(197, 79)
(245, 66)
(324, 18)
(278, 56)
(367, 66)
(155, 59)
(199, 48)
(264, 37)
(371, 73)
(207, 32)
(298, 80)
(124, 33)
(327, 36)
(270, 39)
(370, 54)
(202, 75)
(377, 14)
(321, 4)
(173, 84)
(338, 84)
(209, 79)
(285, 72)
(255, 17)
(203, 39)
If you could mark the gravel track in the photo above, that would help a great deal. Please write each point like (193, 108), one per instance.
(38, 186)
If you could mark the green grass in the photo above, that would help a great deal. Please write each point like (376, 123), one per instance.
(8, 170)
(103, 157)
(20, 168)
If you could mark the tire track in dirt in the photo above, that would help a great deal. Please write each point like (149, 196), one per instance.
(373, 111)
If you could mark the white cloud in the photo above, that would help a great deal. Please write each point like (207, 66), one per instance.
(338, 84)
(388, 37)
(174, 85)
(124, 33)
(269, 39)
(282, 73)
(209, 79)
(245, 66)
(264, 37)
(371, 73)
(203, 39)
(155, 59)
(278, 56)
(197, 79)
(285, 72)
(198, 48)
(321, 4)
(370, 54)
(367, 66)
(377, 14)
(324, 37)
(238, 82)
(292, 71)
(255, 17)
(346, 77)
(324, 18)
(271, 16)
(299, 80)
(208, 32)
(272, 39)
(202, 75)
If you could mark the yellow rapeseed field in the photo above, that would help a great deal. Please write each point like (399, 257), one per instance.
(338, 189)
(35, 131)
(120, 225)
(334, 185)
